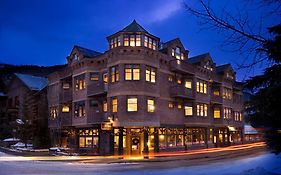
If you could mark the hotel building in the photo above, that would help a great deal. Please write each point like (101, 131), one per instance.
(143, 96)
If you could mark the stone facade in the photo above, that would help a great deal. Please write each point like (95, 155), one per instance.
(165, 100)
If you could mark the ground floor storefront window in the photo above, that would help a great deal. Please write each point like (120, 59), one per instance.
(178, 137)
(195, 136)
(89, 138)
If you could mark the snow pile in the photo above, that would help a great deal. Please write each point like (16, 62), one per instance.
(20, 145)
(11, 140)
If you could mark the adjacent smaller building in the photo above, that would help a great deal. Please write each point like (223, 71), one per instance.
(27, 105)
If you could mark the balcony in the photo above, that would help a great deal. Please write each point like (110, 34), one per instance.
(179, 91)
(66, 95)
(181, 67)
(96, 89)
(215, 99)
(66, 119)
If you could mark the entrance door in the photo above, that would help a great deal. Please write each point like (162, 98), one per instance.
(135, 145)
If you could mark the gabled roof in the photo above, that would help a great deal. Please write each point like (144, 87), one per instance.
(87, 52)
(222, 68)
(134, 27)
(198, 58)
(165, 44)
(33, 82)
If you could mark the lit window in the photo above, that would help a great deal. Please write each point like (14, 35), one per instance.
(179, 106)
(178, 53)
(105, 78)
(173, 52)
(138, 40)
(94, 76)
(188, 84)
(114, 104)
(65, 108)
(126, 40)
(154, 45)
(105, 106)
(170, 105)
(79, 109)
(145, 41)
(188, 110)
(114, 74)
(132, 40)
(227, 113)
(150, 43)
(132, 104)
(201, 86)
(65, 85)
(80, 82)
(179, 81)
(202, 109)
(150, 105)
(217, 113)
(150, 74)
(216, 92)
(119, 40)
(132, 72)
(227, 93)
(182, 56)
(53, 112)
(170, 78)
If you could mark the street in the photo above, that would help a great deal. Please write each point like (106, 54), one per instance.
(257, 162)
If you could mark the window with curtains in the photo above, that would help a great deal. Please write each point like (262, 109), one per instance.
(201, 86)
(227, 113)
(114, 74)
(150, 105)
(188, 110)
(217, 113)
(114, 104)
(202, 109)
(79, 109)
(80, 82)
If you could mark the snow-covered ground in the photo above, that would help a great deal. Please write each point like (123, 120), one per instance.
(266, 164)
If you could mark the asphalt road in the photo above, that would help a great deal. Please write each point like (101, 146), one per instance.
(232, 162)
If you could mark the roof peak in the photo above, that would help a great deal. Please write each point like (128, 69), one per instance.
(134, 26)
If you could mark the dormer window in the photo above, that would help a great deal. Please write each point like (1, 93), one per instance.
(75, 58)
(229, 75)
(177, 53)
(208, 66)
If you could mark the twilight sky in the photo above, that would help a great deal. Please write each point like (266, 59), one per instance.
(44, 32)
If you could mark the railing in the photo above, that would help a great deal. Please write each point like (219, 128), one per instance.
(216, 99)
(179, 91)
(66, 95)
(181, 66)
(97, 89)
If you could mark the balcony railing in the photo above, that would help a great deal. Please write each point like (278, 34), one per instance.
(97, 89)
(216, 99)
(181, 66)
(66, 95)
(179, 91)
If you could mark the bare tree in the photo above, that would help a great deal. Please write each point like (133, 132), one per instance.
(242, 33)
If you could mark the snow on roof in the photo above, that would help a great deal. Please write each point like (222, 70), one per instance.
(33, 82)
(248, 129)
(2, 94)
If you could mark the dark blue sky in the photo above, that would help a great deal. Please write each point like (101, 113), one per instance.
(44, 32)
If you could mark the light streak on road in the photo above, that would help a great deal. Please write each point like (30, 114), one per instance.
(127, 157)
